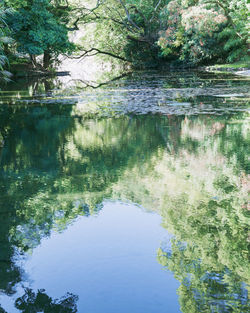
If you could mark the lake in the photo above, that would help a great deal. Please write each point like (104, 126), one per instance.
(126, 195)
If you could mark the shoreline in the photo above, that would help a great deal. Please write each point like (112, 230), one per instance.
(241, 71)
(23, 71)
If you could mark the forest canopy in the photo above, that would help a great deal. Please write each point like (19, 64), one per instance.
(142, 33)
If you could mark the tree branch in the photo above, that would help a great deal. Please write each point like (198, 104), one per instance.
(128, 15)
(155, 10)
(75, 25)
(89, 84)
(96, 51)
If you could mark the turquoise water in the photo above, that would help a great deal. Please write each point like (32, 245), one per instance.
(130, 197)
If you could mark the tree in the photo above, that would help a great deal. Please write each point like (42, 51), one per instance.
(38, 31)
(205, 30)
(148, 32)
(123, 29)
(236, 32)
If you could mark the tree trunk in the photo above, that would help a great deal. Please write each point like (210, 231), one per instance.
(33, 60)
(46, 60)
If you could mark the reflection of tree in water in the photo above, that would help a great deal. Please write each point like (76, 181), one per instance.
(31, 301)
(208, 217)
(202, 289)
(40, 302)
(56, 167)
(28, 88)
(10, 274)
(200, 190)
(17, 182)
(34, 302)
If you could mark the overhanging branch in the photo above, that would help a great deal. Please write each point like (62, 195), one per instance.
(95, 51)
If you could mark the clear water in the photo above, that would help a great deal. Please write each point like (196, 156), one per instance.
(130, 197)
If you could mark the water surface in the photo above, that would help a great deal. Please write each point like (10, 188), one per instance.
(130, 197)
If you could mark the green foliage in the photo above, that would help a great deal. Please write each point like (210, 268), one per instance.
(234, 45)
(144, 33)
(36, 30)
(4, 40)
(201, 289)
(197, 30)
(128, 29)
(209, 252)
(192, 170)
(149, 32)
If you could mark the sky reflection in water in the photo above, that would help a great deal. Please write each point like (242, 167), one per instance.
(109, 261)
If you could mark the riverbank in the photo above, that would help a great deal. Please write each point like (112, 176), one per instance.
(20, 70)
(241, 68)
(245, 71)
(25, 69)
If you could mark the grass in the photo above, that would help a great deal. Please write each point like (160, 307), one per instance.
(244, 63)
